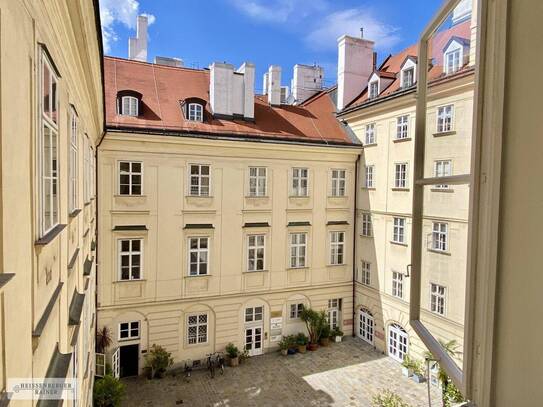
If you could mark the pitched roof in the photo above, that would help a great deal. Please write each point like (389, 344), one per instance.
(394, 62)
(163, 88)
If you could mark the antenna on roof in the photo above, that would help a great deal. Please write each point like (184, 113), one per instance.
(361, 32)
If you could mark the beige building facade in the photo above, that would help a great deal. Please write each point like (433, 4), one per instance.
(51, 120)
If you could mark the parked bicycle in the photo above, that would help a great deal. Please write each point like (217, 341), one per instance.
(214, 361)
(188, 370)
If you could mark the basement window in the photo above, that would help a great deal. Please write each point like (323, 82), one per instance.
(129, 103)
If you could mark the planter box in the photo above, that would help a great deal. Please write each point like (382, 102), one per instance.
(325, 341)
(338, 338)
(407, 372)
(418, 378)
(234, 361)
(302, 348)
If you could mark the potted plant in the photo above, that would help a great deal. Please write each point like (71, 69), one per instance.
(233, 354)
(387, 398)
(108, 391)
(292, 345)
(283, 346)
(301, 341)
(325, 335)
(243, 355)
(418, 372)
(407, 366)
(157, 360)
(337, 334)
(314, 322)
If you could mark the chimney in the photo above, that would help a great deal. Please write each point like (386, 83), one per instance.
(231, 93)
(168, 61)
(306, 81)
(137, 47)
(265, 84)
(354, 67)
(274, 85)
(284, 95)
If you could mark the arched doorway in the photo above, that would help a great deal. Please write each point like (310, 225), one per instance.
(366, 325)
(398, 342)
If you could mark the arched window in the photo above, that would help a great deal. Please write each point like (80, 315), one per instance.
(193, 109)
(129, 103)
(398, 342)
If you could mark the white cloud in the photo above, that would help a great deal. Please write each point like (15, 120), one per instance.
(333, 26)
(113, 12)
(279, 11)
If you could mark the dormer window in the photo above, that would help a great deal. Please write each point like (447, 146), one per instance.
(193, 109)
(374, 89)
(408, 72)
(128, 103)
(452, 61)
(408, 77)
(455, 54)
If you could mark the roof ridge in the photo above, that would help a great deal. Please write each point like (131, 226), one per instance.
(133, 61)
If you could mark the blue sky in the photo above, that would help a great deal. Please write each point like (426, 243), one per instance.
(265, 32)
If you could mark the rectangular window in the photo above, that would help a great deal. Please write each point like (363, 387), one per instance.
(408, 77)
(400, 175)
(296, 310)
(444, 118)
(442, 168)
(299, 181)
(257, 181)
(48, 147)
(370, 133)
(253, 314)
(398, 235)
(72, 186)
(129, 106)
(374, 89)
(298, 248)
(370, 176)
(196, 112)
(440, 236)
(452, 60)
(366, 273)
(333, 314)
(198, 256)
(337, 247)
(130, 259)
(199, 180)
(197, 329)
(129, 330)
(397, 284)
(437, 299)
(255, 252)
(86, 169)
(130, 177)
(402, 127)
(366, 225)
(338, 182)
(92, 172)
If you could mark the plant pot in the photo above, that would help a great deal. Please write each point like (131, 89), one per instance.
(291, 351)
(284, 352)
(234, 361)
(302, 348)
(325, 341)
(338, 338)
(407, 371)
(418, 378)
(313, 346)
(148, 372)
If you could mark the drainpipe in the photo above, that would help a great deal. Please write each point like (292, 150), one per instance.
(354, 238)
(96, 194)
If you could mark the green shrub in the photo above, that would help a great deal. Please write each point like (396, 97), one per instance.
(108, 392)
(314, 321)
(325, 331)
(302, 339)
(232, 350)
(336, 332)
(158, 360)
(284, 343)
(388, 399)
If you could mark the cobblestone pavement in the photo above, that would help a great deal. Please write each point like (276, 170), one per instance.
(343, 374)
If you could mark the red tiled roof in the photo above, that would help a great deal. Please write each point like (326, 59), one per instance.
(164, 87)
(393, 63)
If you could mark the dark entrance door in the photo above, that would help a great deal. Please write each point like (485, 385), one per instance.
(129, 355)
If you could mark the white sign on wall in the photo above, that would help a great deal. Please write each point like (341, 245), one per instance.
(276, 329)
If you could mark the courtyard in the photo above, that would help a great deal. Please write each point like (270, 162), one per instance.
(344, 374)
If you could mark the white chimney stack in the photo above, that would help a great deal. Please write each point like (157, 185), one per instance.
(137, 47)
(231, 93)
(306, 81)
(274, 85)
(265, 84)
(354, 67)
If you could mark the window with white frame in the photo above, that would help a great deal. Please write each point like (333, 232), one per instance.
(299, 181)
(298, 248)
(370, 176)
(397, 284)
(130, 259)
(197, 328)
(92, 172)
(366, 272)
(370, 134)
(400, 175)
(199, 180)
(130, 177)
(452, 61)
(337, 247)
(296, 310)
(129, 106)
(86, 169)
(374, 89)
(257, 181)
(256, 245)
(437, 299)
(196, 112)
(445, 118)
(440, 236)
(198, 256)
(129, 330)
(367, 228)
(402, 127)
(398, 235)
(408, 77)
(338, 182)
(253, 314)
(333, 312)
(442, 168)
(47, 155)
(73, 169)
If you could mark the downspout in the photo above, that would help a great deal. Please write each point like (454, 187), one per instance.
(354, 237)
(96, 234)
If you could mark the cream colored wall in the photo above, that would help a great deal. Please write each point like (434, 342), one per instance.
(68, 31)
(384, 204)
(165, 208)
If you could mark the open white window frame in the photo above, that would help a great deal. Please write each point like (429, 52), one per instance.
(474, 379)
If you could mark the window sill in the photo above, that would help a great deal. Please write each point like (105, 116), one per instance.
(198, 276)
(369, 188)
(50, 236)
(369, 145)
(129, 339)
(446, 190)
(337, 196)
(199, 196)
(254, 271)
(257, 196)
(129, 196)
(445, 133)
(368, 236)
(336, 265)
(298, 196)
(298, 268)
(444, 252)
(399, 140)
(87, 203)
(135, 280)
(398, 243)
(400, 189)
(74, 213)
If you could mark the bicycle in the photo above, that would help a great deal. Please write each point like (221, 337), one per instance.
(211, 365)
(188, 370)
(215, 360)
